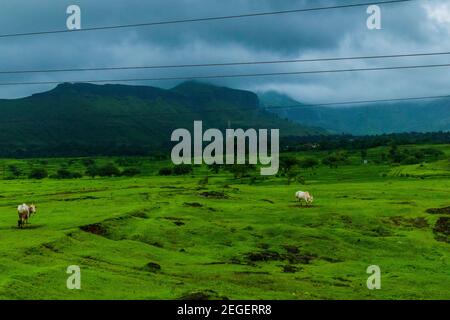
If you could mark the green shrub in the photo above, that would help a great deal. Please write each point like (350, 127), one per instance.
(131, 172)
(63, 174)
(166, 171)
(108, 170)
(38, 173)
(92, 171)
(77, 175)
(182, 169)
(66, 174)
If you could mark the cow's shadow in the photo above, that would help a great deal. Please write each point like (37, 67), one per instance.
(303, 206)
(27, 227)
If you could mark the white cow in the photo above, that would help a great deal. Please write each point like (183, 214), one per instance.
(25, 211)
(305, 196)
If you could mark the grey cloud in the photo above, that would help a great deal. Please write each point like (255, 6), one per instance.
(406, 28)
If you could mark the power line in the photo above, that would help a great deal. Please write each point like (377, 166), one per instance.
(302, 106)
(235, 63)
(168, 22)
(243, 75)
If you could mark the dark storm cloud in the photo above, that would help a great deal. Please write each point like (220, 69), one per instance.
(407, 27)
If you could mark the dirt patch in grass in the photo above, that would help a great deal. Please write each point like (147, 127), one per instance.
(80, 198)
(442, 229)
(405, 202)
(176, 221)
(139, 214)
(418, 222)
(267, 200)
(265, 256)
(301, 206)
(95, 228)
(347, 220)
(50, 246)
(379, 231)
(445, 210)
(87, 190)
(202, 295)
(152, 267)
(193, 204)
(291, 249)
(156, 244)
(214, 195)
(330, 260)
(293, 255)
(290, 268)
(227, 186)
(252, 272)
(263, 246)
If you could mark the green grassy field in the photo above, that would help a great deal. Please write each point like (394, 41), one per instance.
(157, 237)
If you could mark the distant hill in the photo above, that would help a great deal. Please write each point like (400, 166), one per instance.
(87, 119)
(369, 119)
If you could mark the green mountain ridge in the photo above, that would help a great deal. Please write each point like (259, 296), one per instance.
(368, 119)
(87, 119)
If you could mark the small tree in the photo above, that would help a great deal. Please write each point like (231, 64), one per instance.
(286, 163)
(308, 163)
(292, 174)
(331, 161)
(92, 171)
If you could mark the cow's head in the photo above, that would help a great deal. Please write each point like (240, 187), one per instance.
(33, 208)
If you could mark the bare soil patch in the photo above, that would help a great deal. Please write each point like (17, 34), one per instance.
(445, 210)
(95, 228)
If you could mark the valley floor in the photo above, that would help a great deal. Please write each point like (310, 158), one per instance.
(168, 237)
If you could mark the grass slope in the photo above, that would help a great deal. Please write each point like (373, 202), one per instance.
(125, 119)
(153, 237)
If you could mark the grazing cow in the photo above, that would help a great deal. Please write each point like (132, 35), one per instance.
(25, 211)
(305, 196)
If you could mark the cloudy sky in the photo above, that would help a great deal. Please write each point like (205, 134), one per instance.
(410, 27)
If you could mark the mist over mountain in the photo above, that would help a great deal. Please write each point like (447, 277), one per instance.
(368, 119)
(87, 119)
